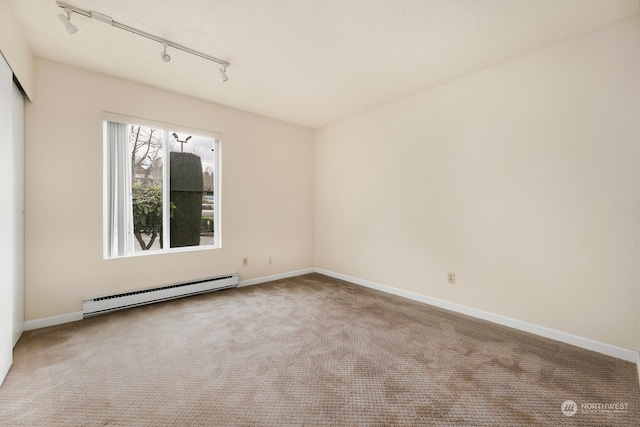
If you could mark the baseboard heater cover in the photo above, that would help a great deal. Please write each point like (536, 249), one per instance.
(106, 304)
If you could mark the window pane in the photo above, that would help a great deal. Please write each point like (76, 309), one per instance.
(160, 189)
(191, 172)
(147, 152)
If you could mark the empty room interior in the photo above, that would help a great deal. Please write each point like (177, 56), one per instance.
(413, 212)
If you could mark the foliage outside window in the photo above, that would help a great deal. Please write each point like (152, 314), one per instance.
(160, 189)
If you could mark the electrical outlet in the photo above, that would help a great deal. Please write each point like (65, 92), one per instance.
(270, 260)
(451, 278)
(245, 261)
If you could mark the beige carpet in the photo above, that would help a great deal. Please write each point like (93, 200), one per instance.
(308, 351)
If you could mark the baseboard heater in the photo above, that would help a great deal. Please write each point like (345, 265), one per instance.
(106, 304)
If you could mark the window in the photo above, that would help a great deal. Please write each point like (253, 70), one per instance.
(161, 189)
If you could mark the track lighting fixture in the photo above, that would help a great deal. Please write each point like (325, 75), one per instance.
(66, 20)
(165, 55)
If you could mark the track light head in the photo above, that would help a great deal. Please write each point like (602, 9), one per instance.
(175, 135)
(188, 138)
(223, 73)
(165, 56)
(66, 21)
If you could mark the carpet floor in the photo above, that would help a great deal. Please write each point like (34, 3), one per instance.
(308, 350)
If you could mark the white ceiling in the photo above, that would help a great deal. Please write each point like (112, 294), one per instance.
(309, 62)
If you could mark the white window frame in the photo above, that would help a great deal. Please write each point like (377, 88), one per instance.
(129, 251)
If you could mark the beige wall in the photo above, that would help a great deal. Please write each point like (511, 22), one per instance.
(522, 179)
(267, 191)
(14, 47)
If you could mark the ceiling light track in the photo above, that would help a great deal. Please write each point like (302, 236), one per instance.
(166, 43)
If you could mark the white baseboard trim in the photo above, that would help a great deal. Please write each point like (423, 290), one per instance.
(586, 343)
(52, 321)
(264, 279)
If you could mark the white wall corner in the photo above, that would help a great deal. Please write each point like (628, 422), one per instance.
(52, 321)
(586, 343)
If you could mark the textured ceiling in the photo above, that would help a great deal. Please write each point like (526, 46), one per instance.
(309, 62)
